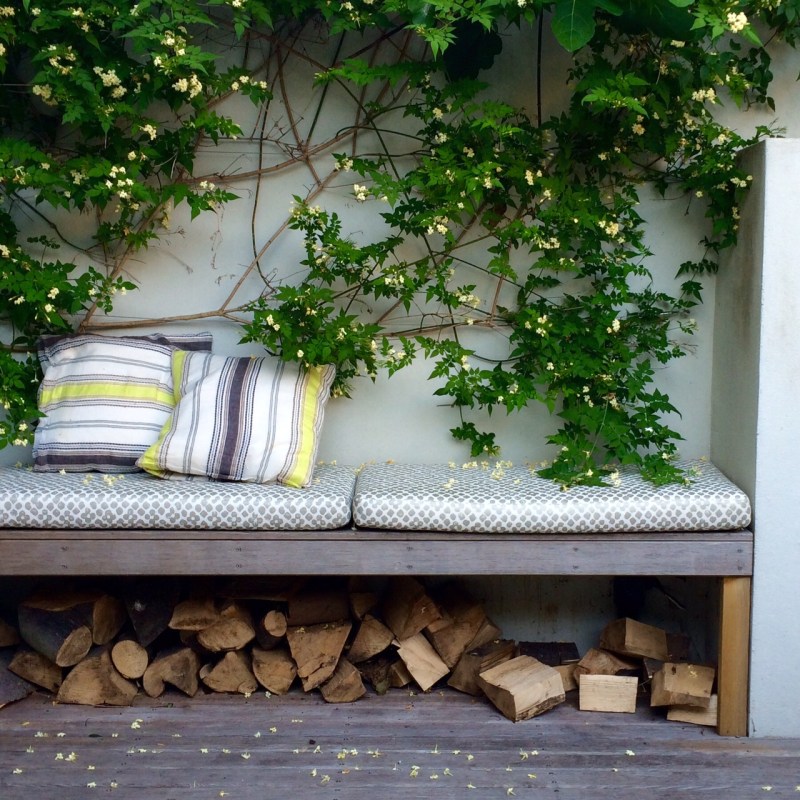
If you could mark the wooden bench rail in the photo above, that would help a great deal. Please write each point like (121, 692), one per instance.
(369, 552)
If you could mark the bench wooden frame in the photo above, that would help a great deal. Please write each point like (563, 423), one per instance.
(727, 555)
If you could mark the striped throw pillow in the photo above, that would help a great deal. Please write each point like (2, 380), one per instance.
(104, 398)
(242, 419)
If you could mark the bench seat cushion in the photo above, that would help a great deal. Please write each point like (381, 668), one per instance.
(513, 500)
(139, 501)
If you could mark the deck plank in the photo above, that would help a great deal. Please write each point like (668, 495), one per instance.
(402, 746)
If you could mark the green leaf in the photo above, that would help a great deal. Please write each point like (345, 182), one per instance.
(573, 23)
(474, 49)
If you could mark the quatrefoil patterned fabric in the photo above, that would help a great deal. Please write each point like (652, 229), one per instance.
(513, 500)
(88, 500)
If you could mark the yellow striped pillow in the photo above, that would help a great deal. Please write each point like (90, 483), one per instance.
(104, 399)
(242, 419)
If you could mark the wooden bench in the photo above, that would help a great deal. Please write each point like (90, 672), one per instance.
(117, 543)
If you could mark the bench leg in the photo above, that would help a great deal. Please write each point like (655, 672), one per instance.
(734, 656)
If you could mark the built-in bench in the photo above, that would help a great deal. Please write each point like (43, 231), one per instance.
(388, 519)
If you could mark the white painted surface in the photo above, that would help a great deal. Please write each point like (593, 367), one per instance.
(756, 430)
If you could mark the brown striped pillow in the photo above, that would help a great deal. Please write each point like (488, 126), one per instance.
(242, 419)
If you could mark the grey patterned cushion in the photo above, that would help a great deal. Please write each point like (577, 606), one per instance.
(513, 500)
(51, 500)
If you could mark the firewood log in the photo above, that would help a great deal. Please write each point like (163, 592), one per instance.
(36, 668)
(271, 628)
(682, 684)
(130, 658)
(372, 638)
(316, 650)
(317, 603)
(150, 605)
(233, 630)
(465, 675)
(60, 635)
(522, 687)
(601, 662)
(629, 637)
(407, 608)
(102, 613)
(194, 614)
(178, 667)
(233, 673)
(344, 686)
(274, 669)
(12, 687)
(9, 636)
(378, 672)
(462, 620)
(363, 603)
(96, 682)
(422, 661)
(616, 693)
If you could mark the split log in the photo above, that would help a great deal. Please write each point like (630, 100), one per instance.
(177, 667)
(373, 638)
(9, 636)
(130, 658)
(695, 714)
(232, 631)
(363, 603)
(422, 661)
(12, 687)
(271, 628)
(682, 684)
(60, 636)
(194, 614)
(462, 619)
(473, 662)
(399, 676)
(608, 693)
(522, 687)
(407, 609)
(102, 613)
(601, 662)
(150, 605)
(316, 649)
(344, 686)
(36, 668)
(319, 603)
(488, 632)
(567, 673)
(96, 682)
(629, 637)
(233, 673)
(378, 672)
(274, 669)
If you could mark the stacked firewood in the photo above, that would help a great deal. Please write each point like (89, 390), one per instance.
(96, 648)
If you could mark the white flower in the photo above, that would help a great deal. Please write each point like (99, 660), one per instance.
(360, 192)
(736, 22)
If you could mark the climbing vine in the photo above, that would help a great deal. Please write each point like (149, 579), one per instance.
(509, 248)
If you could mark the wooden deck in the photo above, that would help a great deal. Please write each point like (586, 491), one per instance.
(403, 745)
